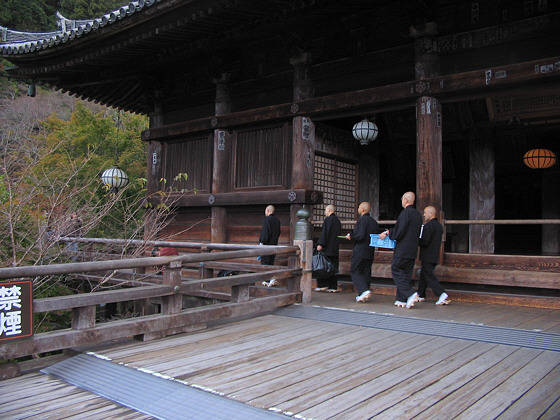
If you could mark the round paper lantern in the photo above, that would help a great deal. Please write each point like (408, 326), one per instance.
(365, 131)
(115, 178)
(539, 158)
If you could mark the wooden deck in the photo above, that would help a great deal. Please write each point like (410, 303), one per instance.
(321, 370)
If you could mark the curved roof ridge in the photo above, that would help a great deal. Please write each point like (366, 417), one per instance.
(17, 42)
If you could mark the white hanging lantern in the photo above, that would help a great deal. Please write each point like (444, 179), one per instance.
(114, 178)
(365, 131)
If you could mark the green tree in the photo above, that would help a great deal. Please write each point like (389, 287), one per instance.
(28, 15)
(86, 9)
(52, 169)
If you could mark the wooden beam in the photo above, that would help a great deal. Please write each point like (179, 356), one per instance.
(298, 196)
(91, 299)
(52, 269)
(452, 87)
(134, 293)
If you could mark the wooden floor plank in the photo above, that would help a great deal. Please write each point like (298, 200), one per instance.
(466, 312)
(553, 413)
(501, 397)
(543, 322)
(41, 384)
(384, 375)
(60, 390)
(193, 351)
(188, 342)
(286, 374)
(183, 365)
(343, 368)
(317, 350)
(57, 404)
(322, 370)
(537, 400)
(411, 396)
(95, 406)
(460, 399)
(301, 395)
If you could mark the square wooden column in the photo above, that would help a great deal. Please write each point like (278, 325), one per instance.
(222, 155)
(303, 137)
(154, 166)
(155, 149)
(429, 186)
(303, 163)
(369, 180)
(482, 191)
(220, 179)
(551, 210)
(428, 154)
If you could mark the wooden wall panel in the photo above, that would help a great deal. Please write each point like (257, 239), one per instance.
(193, 157)
(261, 158)
(245, 223)
(191, 224)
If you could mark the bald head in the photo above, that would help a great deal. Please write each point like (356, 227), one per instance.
(408, 199)
(330, 209)
(364, 208)
(269, 210)
(429, 213)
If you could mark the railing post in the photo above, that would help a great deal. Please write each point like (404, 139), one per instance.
(205, 273)
(240, 293)
(141, 306)
(172, 276)
(306, 263)
(83, 317)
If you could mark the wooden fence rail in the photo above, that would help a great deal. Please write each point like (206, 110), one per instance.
(172, 317)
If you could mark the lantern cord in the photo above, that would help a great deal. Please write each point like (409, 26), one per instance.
(117, 139)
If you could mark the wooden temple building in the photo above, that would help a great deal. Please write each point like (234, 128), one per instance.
(256, 99)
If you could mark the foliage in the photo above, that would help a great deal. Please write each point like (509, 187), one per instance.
(87, 9)
(50, 169)
(40, 15)
(28, 15)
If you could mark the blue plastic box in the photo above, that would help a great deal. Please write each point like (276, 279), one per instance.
(381, 243)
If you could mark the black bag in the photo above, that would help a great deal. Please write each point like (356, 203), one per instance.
(322, 267)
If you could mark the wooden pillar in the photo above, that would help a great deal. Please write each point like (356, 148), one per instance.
(482, 201)
(551, 210)
(369, 180)
(221, 167)
(155, 148)
(154, 166)
(306, 264)
(429, 187)
(303, 137)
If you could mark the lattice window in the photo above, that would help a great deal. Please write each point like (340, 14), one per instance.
(337, 181)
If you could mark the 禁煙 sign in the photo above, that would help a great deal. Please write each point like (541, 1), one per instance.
(16, 310)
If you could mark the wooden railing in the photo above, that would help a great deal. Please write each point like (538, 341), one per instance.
(244, 298)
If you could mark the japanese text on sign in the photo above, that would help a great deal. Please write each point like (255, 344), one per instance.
(15, 310)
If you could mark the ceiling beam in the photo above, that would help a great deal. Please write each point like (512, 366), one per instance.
(460, 86)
